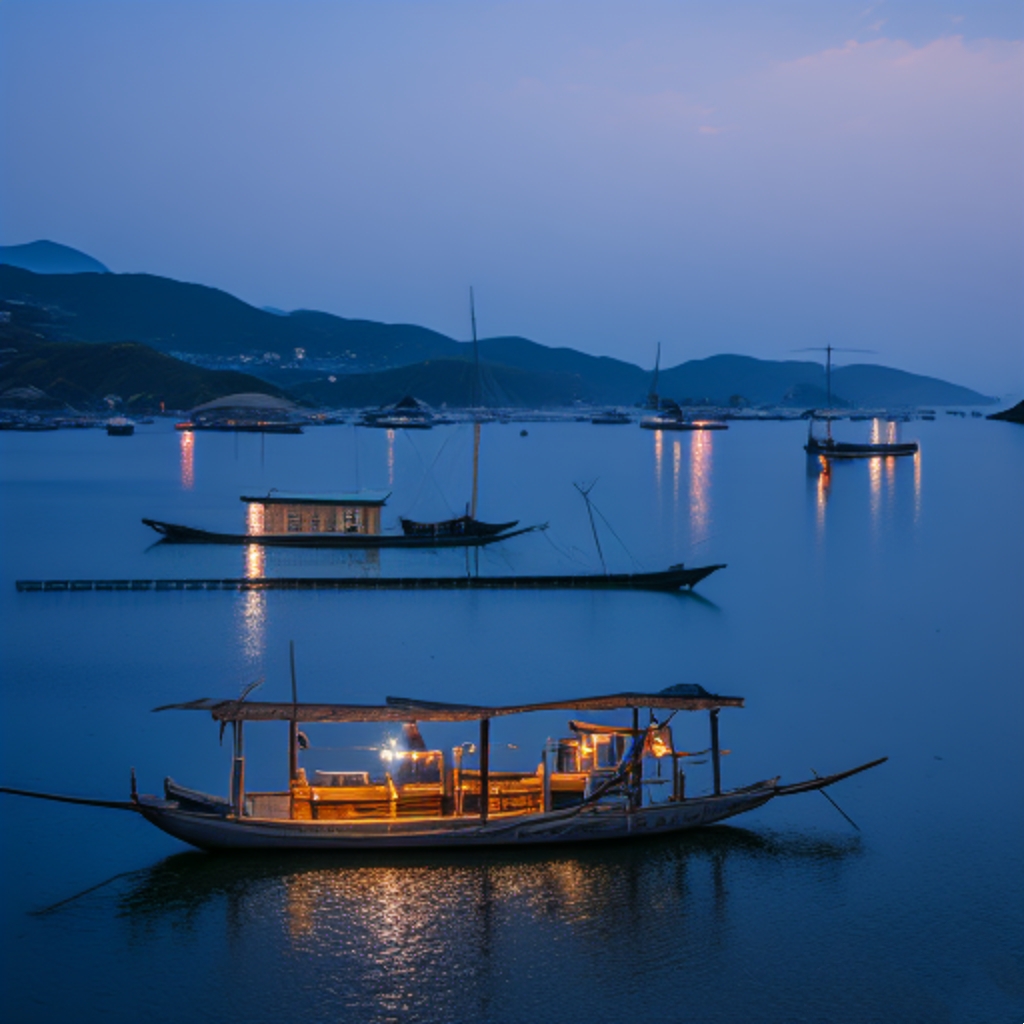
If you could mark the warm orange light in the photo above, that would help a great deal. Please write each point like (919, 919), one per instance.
(186, 443)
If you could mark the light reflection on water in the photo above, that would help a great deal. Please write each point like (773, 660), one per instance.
(406, 934)
(924, 926)
(253, 606)
(701, 468)
(186, 445)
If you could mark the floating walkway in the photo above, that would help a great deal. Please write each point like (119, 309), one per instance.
(674, 578)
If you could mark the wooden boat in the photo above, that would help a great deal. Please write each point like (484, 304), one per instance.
(175, 534)
(672, 417)
(460, 527)
(336, 520)
(674, 423)
(672, 579)
(594, 786)
(831, 449)
(611, 418)
(243, 426)
(120, 426)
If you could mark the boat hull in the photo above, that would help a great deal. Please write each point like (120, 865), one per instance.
(681, 425)
(847, 450)
(669, 580)
(213, 832)
(174, 533)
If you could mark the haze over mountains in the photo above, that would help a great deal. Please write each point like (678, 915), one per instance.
(372, 363)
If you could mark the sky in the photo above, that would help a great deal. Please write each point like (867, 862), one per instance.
(718, 176)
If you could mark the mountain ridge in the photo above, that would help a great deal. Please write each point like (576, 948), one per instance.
(205, 323)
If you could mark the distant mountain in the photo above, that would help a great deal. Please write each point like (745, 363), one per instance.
(50, 258)
(176, 317)
(211, 326)
(802, 383)
(442, 382)
(81, 374)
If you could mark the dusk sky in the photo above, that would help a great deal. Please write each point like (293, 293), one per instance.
(716, 177)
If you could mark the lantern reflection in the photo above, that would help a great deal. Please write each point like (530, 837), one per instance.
(677, 464)
(186, 443)
(700, 484)
(658, 452)
(253, 612)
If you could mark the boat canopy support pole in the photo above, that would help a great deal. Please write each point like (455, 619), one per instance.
(293, 725)
(636, 782)
(546, 768)
(716, 758)
(238, 770)
(485, 767)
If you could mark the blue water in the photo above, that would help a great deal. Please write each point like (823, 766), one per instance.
(874, 611)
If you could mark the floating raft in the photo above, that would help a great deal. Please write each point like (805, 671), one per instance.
(674, 578)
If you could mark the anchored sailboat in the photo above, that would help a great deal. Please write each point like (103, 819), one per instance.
(829, 448)
(467, 525)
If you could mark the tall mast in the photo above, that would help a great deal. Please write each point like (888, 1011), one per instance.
(828, 373)
(476, 407)
(652, 395)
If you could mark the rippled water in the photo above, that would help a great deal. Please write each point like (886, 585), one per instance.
(873, 610)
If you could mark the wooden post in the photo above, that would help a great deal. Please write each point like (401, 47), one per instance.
(546, 768)
(293, 725)
(485, 767)
(238, 771)
(716, 759)
(457, 780)
(636, 781)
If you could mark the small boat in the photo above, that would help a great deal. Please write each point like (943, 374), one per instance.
(119, 426)
(243, 426)
(462, 526)
(612, 418)
(831, 449)
(852, 450)
(677, 421)
(407, 413)
(596, 785)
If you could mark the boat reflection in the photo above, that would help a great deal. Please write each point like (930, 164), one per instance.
(186, 446)
(883, 481)
(391, 457)
(659, 441)
(417, 903)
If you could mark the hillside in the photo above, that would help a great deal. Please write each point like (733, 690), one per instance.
(176, 317)
(45, 257)
(443, 382)
(211, 326)
(81, 375)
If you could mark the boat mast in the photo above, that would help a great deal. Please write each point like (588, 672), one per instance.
(476, 406)
(652, 395)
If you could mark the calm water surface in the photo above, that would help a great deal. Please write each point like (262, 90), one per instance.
(874, 610)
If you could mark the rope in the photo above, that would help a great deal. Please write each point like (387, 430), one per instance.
(604, 519)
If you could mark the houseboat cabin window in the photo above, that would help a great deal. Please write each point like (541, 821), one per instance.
(294, 521)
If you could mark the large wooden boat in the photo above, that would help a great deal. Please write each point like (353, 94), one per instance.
(668, 580)
(595, 785)
(174, 533)
(336, 520)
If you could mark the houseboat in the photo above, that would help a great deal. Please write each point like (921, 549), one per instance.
(334, 519)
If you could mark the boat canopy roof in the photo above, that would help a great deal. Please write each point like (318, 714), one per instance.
(684, 697)
(276, 497)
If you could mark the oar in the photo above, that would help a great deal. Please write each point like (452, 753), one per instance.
(835, 805)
